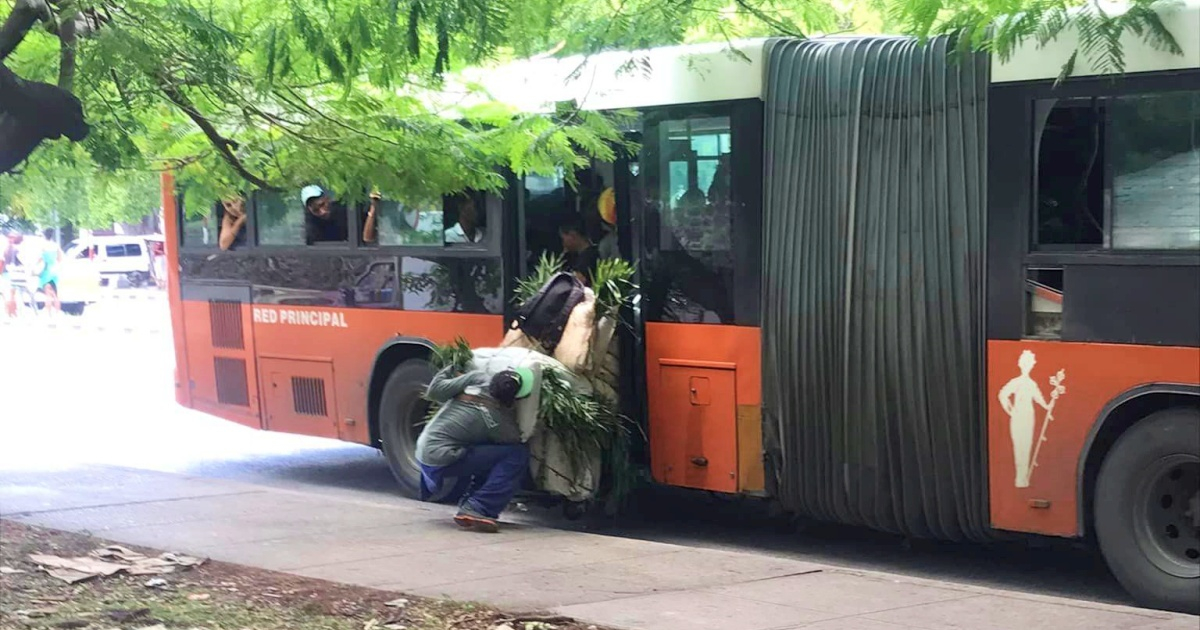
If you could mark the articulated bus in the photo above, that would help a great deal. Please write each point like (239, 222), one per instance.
(880, 283)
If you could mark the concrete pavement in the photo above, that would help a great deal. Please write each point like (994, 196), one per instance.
(415, 548)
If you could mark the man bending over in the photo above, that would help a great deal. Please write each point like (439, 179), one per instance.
(471, 451)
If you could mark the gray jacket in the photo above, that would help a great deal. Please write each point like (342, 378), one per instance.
(460, 424)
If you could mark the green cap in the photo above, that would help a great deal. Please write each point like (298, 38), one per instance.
(526, 375)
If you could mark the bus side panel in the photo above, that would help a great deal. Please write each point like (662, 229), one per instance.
(704, 390)
(1033, 455)
(220, 359)
(174, 299)
(323, 356)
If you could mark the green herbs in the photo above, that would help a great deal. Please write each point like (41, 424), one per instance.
(585, 425)
(456, 353)
(613, 284)
(548, 265)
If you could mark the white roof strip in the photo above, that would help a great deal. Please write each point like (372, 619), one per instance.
(671, 75)
(1031, 62)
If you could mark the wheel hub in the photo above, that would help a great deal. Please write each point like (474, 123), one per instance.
(1168, 519)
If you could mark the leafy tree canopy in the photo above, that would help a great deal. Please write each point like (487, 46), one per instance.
(240, 94)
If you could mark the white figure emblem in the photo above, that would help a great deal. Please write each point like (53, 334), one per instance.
(1017, 398)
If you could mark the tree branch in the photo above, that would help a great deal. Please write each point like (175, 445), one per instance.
(24, 15)
(66, 55)
(225, 146)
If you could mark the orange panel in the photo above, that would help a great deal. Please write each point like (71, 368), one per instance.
(706, 343)
(174, 299)
(1034, 455)
(349, 338)
(683, 425)
(693, 437)
(299, 397)
(223, 380)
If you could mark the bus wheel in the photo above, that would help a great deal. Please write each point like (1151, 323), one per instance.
(402, 409)
(1147, 510)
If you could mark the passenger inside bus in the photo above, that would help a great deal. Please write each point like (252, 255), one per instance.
(467, 227)
(233, 219)
(324, 220)
(607, 209)
(579, 254)
(369, 235)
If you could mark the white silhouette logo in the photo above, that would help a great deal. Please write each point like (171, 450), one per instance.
(1017, 398)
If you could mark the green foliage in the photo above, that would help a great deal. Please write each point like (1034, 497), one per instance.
(583, 424)
(233, 95)
(332, 91)
(67, 186)
(456, 353)
(1000, 26)
(613, 284)
(548, 265)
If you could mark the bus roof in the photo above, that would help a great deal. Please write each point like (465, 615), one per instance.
(693, 73)
(1032, 62)
(721, 71)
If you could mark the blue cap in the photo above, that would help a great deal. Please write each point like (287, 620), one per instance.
(310, 191)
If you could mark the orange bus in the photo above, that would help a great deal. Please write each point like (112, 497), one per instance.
(879, 284)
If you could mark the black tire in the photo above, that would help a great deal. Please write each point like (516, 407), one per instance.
(402, 411)
(74, 308)
(1147, 535)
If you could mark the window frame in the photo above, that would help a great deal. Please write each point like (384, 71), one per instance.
(492, 249)
(1012, 200)
(746, 125)
(1095, 88)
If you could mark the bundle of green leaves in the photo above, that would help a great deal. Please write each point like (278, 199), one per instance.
(585, 425)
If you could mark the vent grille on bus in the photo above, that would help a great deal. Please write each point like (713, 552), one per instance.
(308, 396)
(231, 381)
(225, 318)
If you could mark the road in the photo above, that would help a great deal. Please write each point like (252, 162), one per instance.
(89, 392)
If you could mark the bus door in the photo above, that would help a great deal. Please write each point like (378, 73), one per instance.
(695, 195)
(218, 333)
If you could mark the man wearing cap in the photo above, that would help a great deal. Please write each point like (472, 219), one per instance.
(471, 451)
(323, 223)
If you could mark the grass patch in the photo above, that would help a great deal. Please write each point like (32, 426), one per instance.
(216, 596)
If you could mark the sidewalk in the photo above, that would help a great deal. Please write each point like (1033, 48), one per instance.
(415, 548)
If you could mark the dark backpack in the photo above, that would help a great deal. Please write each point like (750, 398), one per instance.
(544, 316)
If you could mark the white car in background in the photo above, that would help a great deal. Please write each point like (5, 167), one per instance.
(115, 257)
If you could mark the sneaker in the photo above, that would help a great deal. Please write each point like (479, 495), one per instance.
(470, 518)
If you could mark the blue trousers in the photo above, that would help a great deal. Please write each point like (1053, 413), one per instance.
(495, 469)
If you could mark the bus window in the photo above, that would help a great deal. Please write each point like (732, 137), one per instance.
(455, 285)
(686, 181)
(1156, 171)
(287, 220)
(200, 229)
(545, 206)
(1070, 175)
(398, 224)
(465, 219)
(1120, 172)
(1044, 303)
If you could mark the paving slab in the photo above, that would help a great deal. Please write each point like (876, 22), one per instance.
(475, 558)
(998, 612)
(684, 610)
(94, 486)
(854, 623)
(841, 594)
